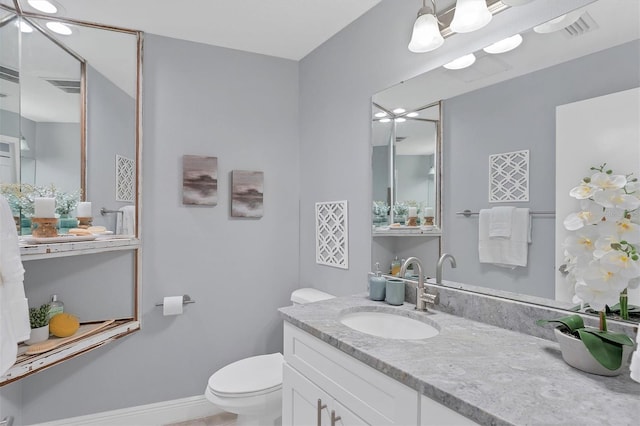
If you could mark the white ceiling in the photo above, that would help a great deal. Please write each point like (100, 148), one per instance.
(284, 28)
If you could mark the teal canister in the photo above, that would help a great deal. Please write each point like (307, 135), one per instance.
(377, 285)
(394, 292)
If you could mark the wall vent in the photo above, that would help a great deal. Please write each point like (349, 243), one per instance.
(582, 25)
(68, 86)
(9, 74)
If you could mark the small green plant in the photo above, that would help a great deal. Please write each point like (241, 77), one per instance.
(39, 317)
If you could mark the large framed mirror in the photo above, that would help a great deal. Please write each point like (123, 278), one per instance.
(71, 105)
(512, 102)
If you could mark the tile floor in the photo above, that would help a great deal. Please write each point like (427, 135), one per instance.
(223, 419)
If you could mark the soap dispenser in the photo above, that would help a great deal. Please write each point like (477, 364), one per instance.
(55, 306)
(377, 285)
(395, 267)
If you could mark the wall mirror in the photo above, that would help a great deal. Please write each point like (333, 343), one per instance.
(507, 102)
(405, 162)
(70, 108)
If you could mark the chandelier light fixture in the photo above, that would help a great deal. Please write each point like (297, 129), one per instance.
(462, 62)
(504, 45)
(426, 31)
(470, 15)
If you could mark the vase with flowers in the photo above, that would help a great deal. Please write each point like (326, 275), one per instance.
(602, 262)
(380, 213)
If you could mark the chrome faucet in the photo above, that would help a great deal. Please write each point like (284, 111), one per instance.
(422, 297)
(444, 256)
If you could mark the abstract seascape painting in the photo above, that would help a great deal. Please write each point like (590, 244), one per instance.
(199, 180)
(247, 193)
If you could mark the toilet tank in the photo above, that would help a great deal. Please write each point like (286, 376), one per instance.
(309, 295)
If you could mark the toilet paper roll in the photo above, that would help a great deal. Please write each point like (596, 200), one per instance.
(172, 305)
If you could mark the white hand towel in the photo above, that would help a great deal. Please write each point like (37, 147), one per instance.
(505, 252)
(501, 222)
(126, 221)
(14, 311)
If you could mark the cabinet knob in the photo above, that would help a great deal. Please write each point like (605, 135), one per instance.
(320, 406)
(334, 418)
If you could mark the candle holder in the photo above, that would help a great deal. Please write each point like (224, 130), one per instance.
(44, 227)
(428, 220)
(412, 221)
(84, 222)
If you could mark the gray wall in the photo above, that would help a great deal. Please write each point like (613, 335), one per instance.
(242, 108)
(111, 128)
(58, 159)
(338, 79)
(515, 115)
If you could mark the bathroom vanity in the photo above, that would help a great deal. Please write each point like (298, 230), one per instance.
(469, 373)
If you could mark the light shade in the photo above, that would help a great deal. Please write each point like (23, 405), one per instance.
(470, 15)
(43, 6)
(461, 62)
(558, 23)
(504, 45)
(59, 27)
(24, 27)
(515, 2)
(426, 33)
(24, 146)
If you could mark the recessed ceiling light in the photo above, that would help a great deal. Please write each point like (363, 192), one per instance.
(400, 120)
(412, 114)
(380, 114)
(462, 62)
(399, 110)
(385, 120)
(504, 45)
(43, 6)
(24, 27)
(59, 27)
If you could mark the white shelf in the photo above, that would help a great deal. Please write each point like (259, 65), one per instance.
(47, 251)
(29, 364)
(406, 232)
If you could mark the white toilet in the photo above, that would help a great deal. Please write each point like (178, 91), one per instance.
(252, 387)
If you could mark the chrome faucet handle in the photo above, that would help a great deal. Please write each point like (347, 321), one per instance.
(432, 297)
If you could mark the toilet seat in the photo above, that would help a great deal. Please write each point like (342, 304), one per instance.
(254, 376)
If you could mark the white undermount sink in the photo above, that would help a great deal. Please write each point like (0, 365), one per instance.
(388, 325)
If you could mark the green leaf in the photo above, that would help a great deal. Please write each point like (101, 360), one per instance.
(571, 322)
(632, 309)
(617, 338)
(608, 354)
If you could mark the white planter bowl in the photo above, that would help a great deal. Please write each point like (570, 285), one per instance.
(38, 335)
(576, 354)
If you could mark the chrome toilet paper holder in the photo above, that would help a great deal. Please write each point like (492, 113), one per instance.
(186, 299)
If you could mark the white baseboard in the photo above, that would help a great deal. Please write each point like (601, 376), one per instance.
(160, 413)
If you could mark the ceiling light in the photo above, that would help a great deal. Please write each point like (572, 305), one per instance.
(400, 120)
(426, 31)
(385, 120)
(43, 6)
(462, 62)
(399, 110)
(470, 15)
(558, 23)
(380, 114)
(505, 45)
(412, 114)
(59, 27)
(24, 27)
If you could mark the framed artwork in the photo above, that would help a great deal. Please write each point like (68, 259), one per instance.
(199, 180)
(125, 179)
(332, 234)
(247, 189)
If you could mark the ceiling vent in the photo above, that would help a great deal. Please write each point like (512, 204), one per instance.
(9, 74)
(582, 25)
(68, 86)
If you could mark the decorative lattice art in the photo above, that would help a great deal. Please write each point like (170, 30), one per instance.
(509, 177)
(332, 234)
(125, 179)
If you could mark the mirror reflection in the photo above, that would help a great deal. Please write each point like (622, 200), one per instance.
(508, 102)
(405, 166)
(69, 111)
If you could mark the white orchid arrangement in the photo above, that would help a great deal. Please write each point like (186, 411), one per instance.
(602, 258)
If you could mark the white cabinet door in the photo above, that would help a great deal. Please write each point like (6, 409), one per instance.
(436, 414)
(305, 404)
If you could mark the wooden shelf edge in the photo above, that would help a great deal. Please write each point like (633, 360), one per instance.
(35, 363)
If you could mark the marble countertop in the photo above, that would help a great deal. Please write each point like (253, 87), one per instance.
(489, 374)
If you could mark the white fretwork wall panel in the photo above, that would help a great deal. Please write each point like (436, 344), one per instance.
(332, 234)
(509, 177)
(125, 179)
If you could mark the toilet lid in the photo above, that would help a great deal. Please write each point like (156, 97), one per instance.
(248, 376)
